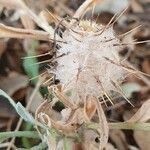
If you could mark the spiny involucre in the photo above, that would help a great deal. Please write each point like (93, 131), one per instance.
(85, 68)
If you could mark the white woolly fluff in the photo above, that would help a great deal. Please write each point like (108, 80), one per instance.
(84, 68)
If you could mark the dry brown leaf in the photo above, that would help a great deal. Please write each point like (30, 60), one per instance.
(2, 47)
(128, 114)
(146, 66)
(118, 137)
(20, 6)
(97, 141)
(13, 82)
(38, 99)
(143, 139)
(10, 32)
(136, 7)
(53, 18)
(11, 59)
(109, 146)
(27, 22)
(103, 126)
(143, 114)
(49, 16)
(7, 110)
(13, 4)
(129, 38)
(90, 108)
(39, 4)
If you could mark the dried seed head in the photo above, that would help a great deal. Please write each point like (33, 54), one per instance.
(84, 67)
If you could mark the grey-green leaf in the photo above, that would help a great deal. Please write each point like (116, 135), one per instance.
(29, 64)
(24, 113)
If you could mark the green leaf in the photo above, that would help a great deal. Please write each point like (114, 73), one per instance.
(29, 64)
(44, 91)
(19, 108)
(24, 113)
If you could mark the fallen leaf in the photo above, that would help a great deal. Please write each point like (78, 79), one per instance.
(129, 38)
(20, 5)
(52, 18)
(146, 66)
(49, 17)
(109, 146)
(118, 137)
(90, 108)
(15, 4)
(103, 126)
(27, 22)
(12, 56)
(143, 139)
(13, 82)
(128, 114)
(7, 110)
(2, 47)
(143, 114)
(38, 99)
(136, 7)
(11, 32)
(20, 94)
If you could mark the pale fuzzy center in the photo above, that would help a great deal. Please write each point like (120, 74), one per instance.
(84, 68)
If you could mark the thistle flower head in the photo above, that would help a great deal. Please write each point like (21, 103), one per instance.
(84, 68)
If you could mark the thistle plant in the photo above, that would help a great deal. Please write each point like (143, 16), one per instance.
(87, 65)
(88, 68)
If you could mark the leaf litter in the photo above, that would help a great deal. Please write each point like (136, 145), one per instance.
(31, 32)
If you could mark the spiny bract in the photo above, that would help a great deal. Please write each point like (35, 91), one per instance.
(84, 67)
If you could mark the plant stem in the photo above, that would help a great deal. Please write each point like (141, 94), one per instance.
(123, 126)
(130, 126)
(27, 134)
